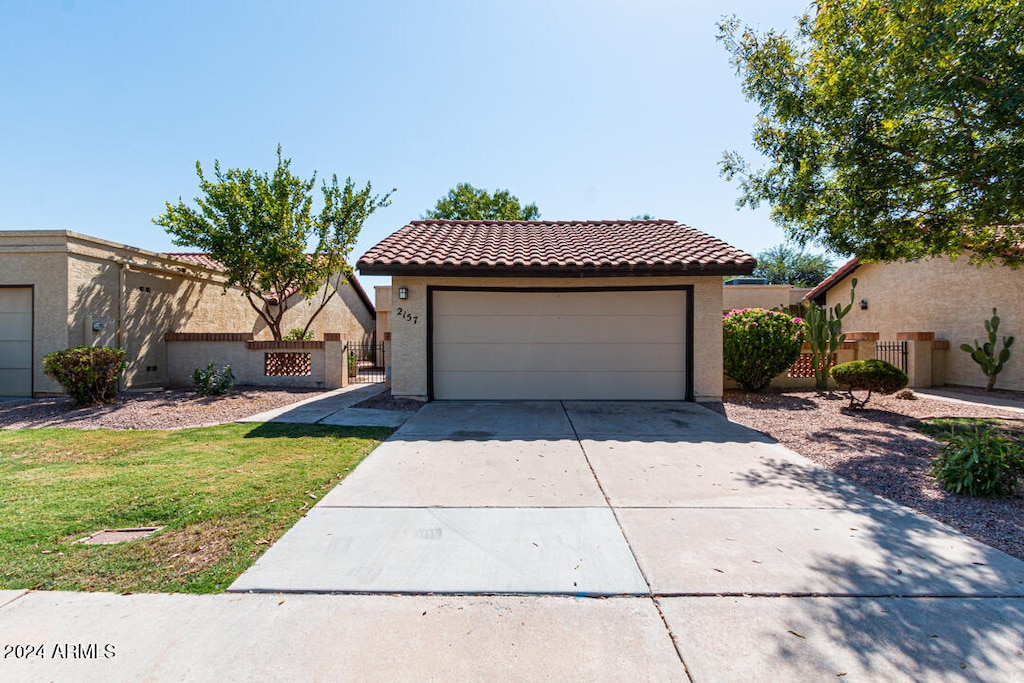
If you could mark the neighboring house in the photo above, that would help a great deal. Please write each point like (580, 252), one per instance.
(555, 310)
(951, 299)
(60, 289)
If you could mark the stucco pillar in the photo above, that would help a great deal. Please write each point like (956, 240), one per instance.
(865, 342)
(919, 357)
(335, 362)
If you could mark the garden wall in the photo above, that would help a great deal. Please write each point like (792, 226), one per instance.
(294, 364)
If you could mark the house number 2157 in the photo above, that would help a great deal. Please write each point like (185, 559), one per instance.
(407, 316)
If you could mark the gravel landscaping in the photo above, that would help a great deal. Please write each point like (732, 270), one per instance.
(877, 449)
(159, 409)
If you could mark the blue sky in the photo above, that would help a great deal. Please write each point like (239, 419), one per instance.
(593, 109)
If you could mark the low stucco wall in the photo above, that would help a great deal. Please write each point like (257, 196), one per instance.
(247, 361)
(409, 325)
(951, 299)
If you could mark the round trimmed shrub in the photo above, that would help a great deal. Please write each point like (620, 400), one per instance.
(868, 375)
(90, 374)
(759, 344)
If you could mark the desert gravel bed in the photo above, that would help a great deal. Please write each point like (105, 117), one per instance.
(162, 409)
(877, 449)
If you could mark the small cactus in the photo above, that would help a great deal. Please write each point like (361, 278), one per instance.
(985, 354)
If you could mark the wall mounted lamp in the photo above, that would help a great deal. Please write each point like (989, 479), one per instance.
(863, 304)
(403, 292)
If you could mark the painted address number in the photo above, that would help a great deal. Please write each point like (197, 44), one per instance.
(407, 316)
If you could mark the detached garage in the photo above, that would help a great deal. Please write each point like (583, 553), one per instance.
(601, 310)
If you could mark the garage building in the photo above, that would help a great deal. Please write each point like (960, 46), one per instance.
(600, 310)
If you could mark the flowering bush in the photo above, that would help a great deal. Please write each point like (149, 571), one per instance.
(759, 345)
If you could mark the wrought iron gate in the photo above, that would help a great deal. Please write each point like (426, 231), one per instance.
(894, 352)
(366, 362)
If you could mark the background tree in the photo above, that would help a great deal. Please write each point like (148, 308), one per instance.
(261, 227)
(785, 265)
(893, 128)
(468, 203)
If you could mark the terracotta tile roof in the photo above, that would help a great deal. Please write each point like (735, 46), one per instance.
(538, 248)
(197, 259)
(833, 279)
(206, 261)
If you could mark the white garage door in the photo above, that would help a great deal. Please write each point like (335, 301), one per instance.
(623, 344)
(15, 341)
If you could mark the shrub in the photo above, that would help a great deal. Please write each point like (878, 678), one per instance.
(213, 382)
(759, 344)
(872, 375)
(980, 462)
(90, 374)
(298, 334)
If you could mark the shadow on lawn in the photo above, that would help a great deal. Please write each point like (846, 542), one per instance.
(285, 430)
(932, 615)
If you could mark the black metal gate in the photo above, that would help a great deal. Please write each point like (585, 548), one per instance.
(894, 352)
(366, 362)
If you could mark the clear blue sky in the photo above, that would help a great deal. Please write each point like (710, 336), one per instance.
(593, 109)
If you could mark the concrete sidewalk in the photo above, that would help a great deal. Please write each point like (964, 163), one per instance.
(569, 541)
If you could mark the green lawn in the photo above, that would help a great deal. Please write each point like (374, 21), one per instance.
(942, 428)
(223, 495)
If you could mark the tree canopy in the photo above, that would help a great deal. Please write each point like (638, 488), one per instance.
(468, 203)
(262, 228)
(786, 265)
(893, 128)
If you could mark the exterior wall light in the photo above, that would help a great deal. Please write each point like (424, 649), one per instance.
(863, 304)
(403, 292)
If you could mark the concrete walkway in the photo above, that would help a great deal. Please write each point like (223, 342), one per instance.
(570, 541)
(336, 407)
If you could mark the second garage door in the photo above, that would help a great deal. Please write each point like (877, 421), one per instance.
(15, 341)
(622, 344)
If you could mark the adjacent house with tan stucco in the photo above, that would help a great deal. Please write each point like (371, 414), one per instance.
(555, 309)
(936, 300)
(60, 289)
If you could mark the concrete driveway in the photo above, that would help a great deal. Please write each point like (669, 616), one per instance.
(574, 541)
(730, 537)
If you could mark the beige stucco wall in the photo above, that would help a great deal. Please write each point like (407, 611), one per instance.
(31, 258)
(409, 325)
(761, 296)
(950, 298)
(138, 296)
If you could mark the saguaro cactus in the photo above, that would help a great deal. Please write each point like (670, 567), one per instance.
(985, 354)
(823, 330)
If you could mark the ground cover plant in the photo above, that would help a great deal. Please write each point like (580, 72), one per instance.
(223, 495)
(979, 457)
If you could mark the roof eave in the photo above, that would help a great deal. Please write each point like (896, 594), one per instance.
(421, 270)
(832, 280)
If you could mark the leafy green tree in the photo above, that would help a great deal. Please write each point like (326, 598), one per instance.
(785, 265)
(262, 228)
(467, 203)
(893, 128)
